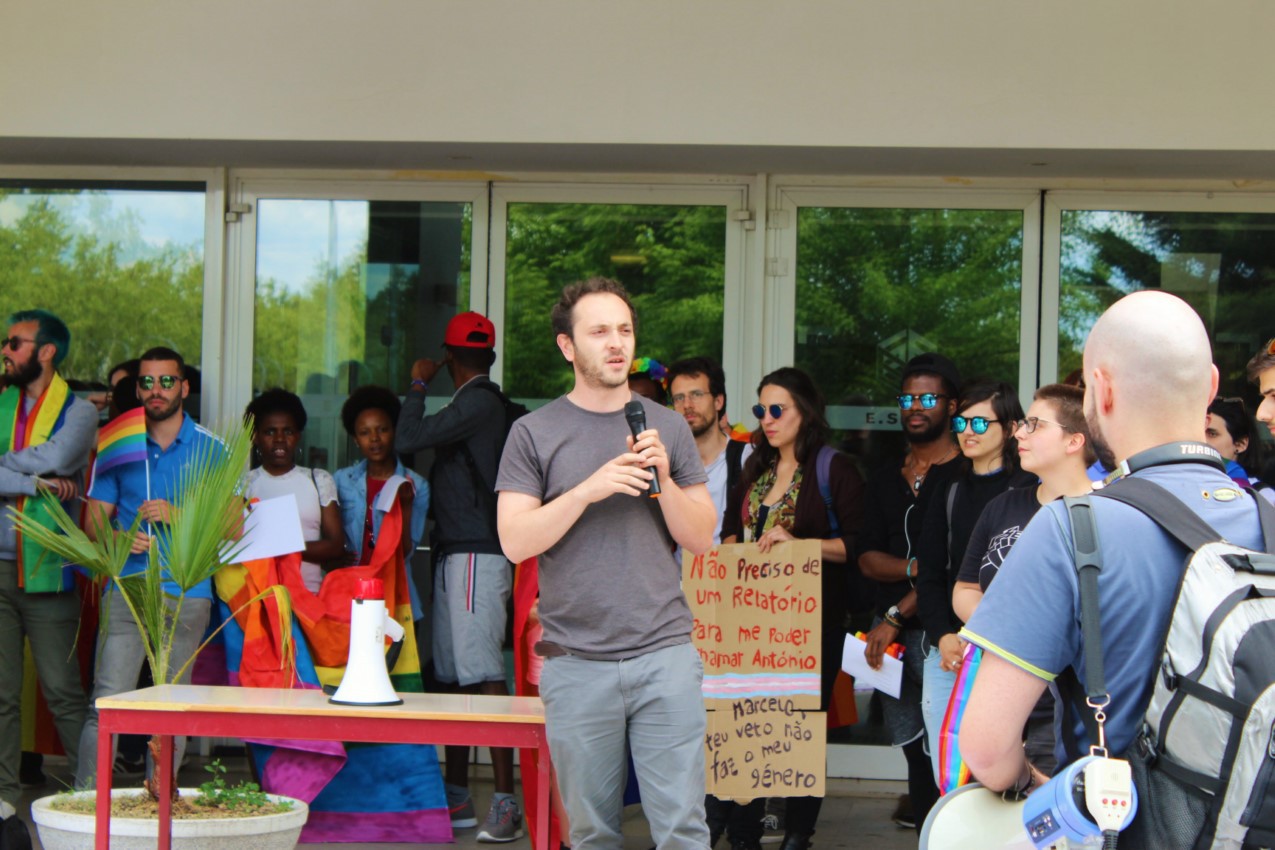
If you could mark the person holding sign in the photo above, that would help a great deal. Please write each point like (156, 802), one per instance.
(576, 492)
(794, 487)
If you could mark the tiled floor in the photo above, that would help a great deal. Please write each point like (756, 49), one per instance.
(856, 815)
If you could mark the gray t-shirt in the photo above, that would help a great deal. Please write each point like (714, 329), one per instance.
(610, 588)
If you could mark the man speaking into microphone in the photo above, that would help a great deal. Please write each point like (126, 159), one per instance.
(575, 491)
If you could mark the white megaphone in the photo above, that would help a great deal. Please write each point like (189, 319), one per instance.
(367, 679)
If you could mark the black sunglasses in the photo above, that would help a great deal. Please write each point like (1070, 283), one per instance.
(147, 382)
(979, 424)
(928, 400)
(14, 343)
(776, 410)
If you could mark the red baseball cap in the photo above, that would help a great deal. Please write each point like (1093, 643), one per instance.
(470, 330)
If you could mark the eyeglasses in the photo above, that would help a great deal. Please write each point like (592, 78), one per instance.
(978, 424)
(147, 382)
(775, 410)
(14, 343)
(1031, 423)
(693, 395)
(928, 400)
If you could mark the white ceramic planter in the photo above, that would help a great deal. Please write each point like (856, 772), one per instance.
(74, 831)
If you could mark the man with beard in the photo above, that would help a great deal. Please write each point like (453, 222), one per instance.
(697, 390)
(895, 505)
(619, 663)
(122, 493)
(46, 434)
(1149, 377)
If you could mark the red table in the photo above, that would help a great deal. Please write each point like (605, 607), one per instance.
(169, 710)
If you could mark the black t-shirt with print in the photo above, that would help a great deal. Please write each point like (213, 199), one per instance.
(994, 534)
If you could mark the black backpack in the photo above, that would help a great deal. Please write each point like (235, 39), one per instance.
(487, 492)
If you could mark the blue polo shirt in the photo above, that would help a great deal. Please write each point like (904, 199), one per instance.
(1030, 616)
(126, 487)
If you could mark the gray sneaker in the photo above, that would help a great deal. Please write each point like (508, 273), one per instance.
(503, 823)
(462, 813)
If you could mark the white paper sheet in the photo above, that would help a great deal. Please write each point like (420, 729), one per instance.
(888, 680)
(272, 528)
(389, 492)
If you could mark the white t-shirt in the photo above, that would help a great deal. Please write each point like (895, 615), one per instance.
(300, 482)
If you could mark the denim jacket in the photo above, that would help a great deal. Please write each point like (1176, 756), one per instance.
(351, 489)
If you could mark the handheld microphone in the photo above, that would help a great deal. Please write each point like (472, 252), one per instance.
(636, 416)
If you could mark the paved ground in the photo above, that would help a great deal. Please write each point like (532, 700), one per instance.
(856, 815)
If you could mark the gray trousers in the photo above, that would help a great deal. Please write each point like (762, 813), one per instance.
(120, 657)
(654, 702)
(50, 621)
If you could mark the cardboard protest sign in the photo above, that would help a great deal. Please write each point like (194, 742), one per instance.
(758, 631)
(757, 621)
(765, 748)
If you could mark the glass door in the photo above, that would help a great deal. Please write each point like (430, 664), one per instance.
(347, 289)
(865, 280)
(678, 250)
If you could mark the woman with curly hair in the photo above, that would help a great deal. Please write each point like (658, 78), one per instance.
(369, 415)
(780, 497)
(278, 419)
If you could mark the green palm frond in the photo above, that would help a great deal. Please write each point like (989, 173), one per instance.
(103, 558)
(200, 538)
(210, 511)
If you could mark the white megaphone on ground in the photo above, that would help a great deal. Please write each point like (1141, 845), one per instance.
(367, 678)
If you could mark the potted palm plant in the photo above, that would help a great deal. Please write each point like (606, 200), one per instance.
(201, 537)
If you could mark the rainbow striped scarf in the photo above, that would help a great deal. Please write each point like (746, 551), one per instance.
(39, 571)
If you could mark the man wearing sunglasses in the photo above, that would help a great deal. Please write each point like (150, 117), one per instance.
(46, 434)
(895, 503)
(147, 489)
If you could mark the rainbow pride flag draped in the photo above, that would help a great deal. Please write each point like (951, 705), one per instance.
(953, 772)
(356, 792)
(121, 441)
(39, 571)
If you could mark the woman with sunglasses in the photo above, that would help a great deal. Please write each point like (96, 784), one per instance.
(278, 419)
(1230, 430)
(983, 425)
(1053, 443)
(369, 415)
(779, 498)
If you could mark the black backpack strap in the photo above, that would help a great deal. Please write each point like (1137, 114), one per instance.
(951, 507)
(1087, 553)
(1184, 524)
(734, 465)
(823, 472)
(1178, 521)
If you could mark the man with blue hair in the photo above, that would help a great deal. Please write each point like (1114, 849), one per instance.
(46, 434)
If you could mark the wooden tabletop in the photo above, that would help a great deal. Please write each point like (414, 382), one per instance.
(229, 700)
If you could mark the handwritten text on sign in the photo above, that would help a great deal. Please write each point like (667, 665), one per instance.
(765, 748)
(757, 621)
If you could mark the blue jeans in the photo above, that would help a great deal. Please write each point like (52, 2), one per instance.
(120, 657)
(653, 700)
(936, 689)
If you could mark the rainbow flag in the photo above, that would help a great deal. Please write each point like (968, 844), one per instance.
(121, 441)
(953, 771)
(357, 792)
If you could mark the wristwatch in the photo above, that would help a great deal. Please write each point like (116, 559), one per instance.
(894, 616)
